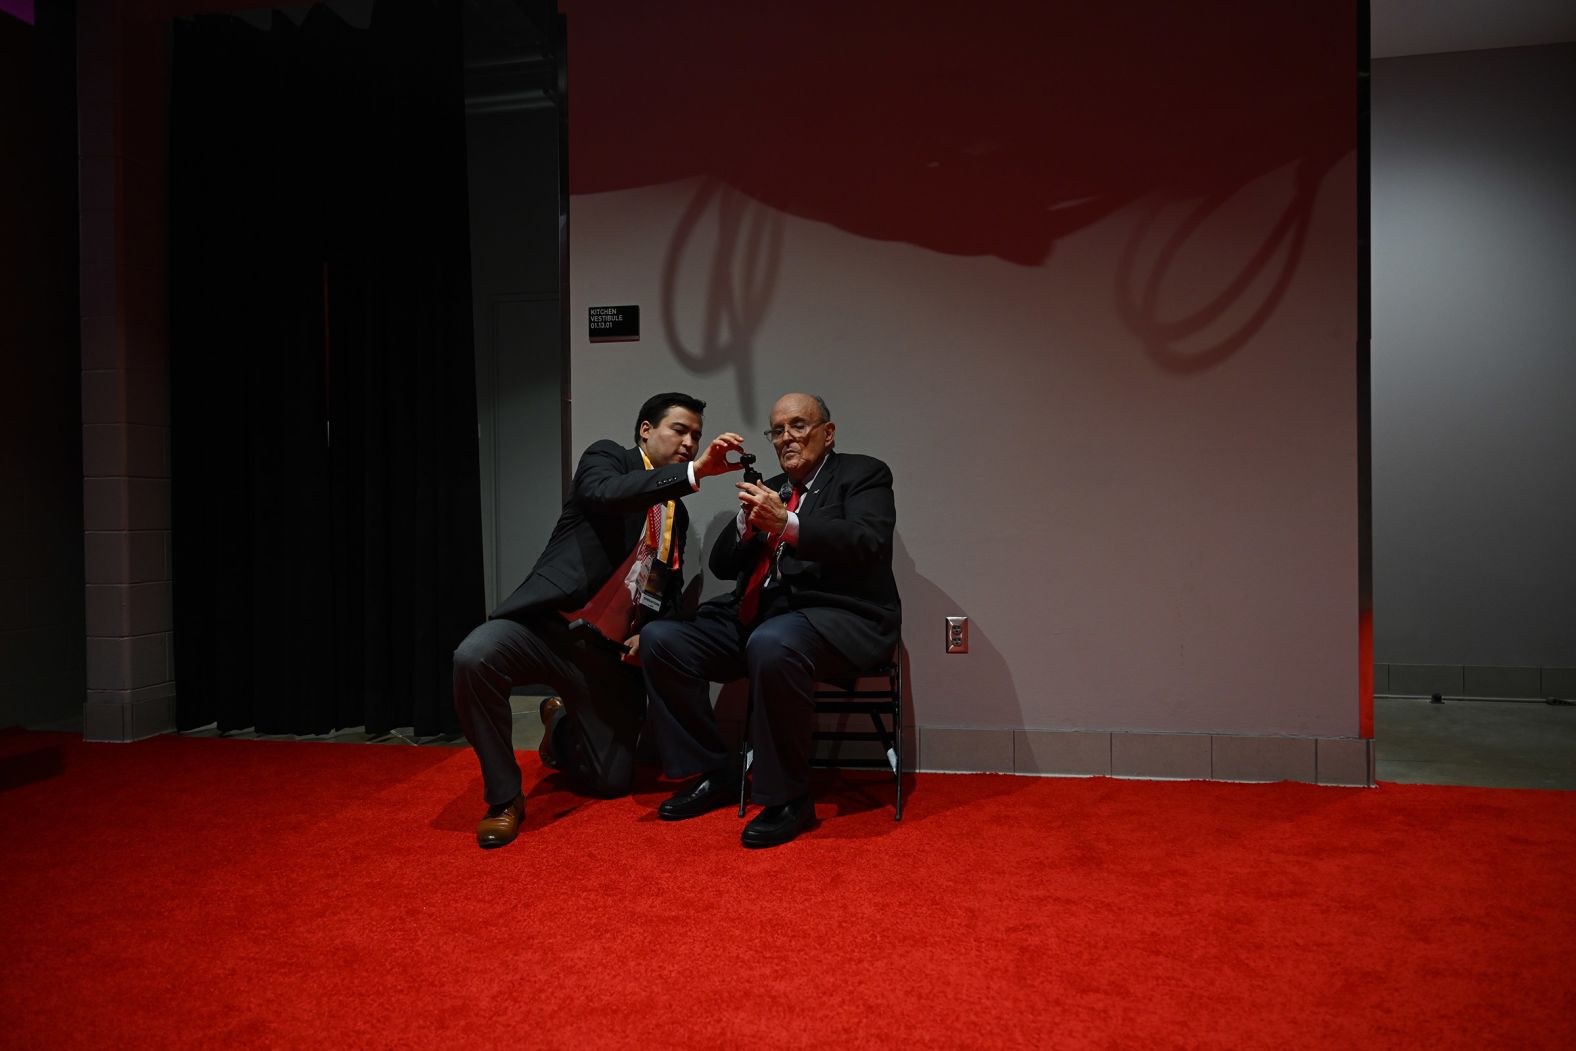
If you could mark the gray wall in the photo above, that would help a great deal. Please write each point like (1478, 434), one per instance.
(512, 146)
(514, 268)
(42, 656)
(1474, 358)
(1151, 525)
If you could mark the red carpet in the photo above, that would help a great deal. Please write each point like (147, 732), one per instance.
(197, 892)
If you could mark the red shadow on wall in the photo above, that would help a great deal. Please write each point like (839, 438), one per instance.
(995, 132)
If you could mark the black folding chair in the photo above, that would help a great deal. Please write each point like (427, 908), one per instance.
(838, 700)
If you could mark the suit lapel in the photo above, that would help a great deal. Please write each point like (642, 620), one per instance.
(634, 524)
(815, 495)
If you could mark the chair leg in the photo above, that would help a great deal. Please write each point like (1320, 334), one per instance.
(886, 738)
(897, 732)
(744, 747)
(897, 776)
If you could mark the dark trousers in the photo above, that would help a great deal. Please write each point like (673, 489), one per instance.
(604, 704)
(783, 658)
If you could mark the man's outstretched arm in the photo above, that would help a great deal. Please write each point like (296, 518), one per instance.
(602, 482)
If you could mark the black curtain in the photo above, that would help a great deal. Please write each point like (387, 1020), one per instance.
(325, 491)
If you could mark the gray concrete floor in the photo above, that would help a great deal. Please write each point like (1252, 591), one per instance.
(527, 731)
(1492, 744)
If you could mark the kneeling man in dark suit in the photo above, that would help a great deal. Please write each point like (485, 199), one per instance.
(612, 563)
(810, 554)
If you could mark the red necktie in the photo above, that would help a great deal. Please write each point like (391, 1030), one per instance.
(750, 601)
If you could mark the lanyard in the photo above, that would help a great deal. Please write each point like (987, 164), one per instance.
(659, 525)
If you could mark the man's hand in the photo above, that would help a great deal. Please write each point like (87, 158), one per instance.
(714, 458)
(763, 509)
(633, 656)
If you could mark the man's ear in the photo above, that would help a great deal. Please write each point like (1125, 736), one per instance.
(645, 430)
(831, 432)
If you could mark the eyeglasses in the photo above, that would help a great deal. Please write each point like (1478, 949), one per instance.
(796, 429)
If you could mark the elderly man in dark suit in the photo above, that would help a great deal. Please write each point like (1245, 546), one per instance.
(810, 554)
(613, 562)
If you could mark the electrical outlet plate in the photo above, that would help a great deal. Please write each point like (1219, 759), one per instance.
(957, 634)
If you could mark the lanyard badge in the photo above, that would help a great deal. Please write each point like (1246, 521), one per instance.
(648, 577)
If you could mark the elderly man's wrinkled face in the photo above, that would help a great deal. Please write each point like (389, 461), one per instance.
(799, 435)
(674, 439)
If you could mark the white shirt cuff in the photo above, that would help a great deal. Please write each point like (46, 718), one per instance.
(694, 482)
(791, 530)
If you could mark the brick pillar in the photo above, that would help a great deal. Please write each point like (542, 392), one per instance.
(123, 99)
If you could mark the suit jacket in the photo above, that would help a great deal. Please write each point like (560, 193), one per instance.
(597, 529)
(839, 574)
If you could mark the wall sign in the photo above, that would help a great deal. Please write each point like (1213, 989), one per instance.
(615, 324)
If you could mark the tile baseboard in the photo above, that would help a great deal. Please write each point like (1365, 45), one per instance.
(1481, 682)
(124, 716)
(1146, 755)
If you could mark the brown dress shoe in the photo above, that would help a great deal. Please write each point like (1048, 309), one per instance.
(548, 710)
(501, 824)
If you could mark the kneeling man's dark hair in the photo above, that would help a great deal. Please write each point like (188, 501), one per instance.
(657, 406)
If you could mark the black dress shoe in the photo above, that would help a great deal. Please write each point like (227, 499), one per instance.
(776, 825)
(710, 792)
